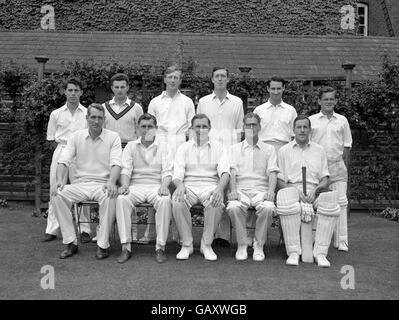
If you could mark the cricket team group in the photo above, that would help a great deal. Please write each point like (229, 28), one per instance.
(243, 169)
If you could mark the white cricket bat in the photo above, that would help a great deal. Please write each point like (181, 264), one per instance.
(306, 230)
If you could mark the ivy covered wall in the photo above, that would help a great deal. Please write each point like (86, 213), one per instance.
(306, 17)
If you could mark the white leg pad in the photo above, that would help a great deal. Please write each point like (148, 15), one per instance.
(328, 211)
(288, 208)
(341, 229)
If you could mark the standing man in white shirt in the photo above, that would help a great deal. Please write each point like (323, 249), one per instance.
(121, 115)
(276, 115)
(201, 174)
(252, 183)
(98, 155)
(173, 111)
(147, 168)
(62, 123)
(226, 113)
(332, 131)
(297, 198)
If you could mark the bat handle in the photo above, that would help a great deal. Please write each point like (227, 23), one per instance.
(304, 180)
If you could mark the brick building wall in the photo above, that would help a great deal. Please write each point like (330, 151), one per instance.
(306, 17)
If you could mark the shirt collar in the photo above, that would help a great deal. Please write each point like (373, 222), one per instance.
(165, 94)
(154, 144)
(228, 96)
(194, 143)
(112, 101)
(80, 107)
(101, 136)
(245, 144)
(294, 143)
(321, 115)
(281, 104)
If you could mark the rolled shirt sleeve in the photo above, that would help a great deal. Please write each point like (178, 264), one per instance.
(281, 165)
(127, 160)
(69, 152)
(51, 126)
(116, 153)
(347, 135)
(179, 166)
(324, 166)
(223, 165)
(272, 162)
(167, 163)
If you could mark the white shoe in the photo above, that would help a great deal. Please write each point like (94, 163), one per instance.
(322, 261)
(208, 253)
(94, 239)
(343, 247)
(184, 253)
(293, 259)
(258, 255)
(241, 253)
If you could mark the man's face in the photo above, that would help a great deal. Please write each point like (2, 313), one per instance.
(147, 130)
(73, 93)
(201, 128)
(327, 102)
(172, 80)
(276, 90)
(220, 79)
(251, 128)
(302, 131)
(120, 89)
(95, 119)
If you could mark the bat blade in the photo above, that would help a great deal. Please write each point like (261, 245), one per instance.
(306, 242)
(306, 230)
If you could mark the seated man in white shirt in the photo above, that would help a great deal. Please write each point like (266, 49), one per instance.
(296, 199)
(252, 183)
(147, 169)
(98, 154)
(201, 173)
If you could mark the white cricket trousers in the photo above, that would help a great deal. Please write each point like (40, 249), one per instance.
(82, 192)
(52, 223)
(212, 215)
(125, 204)
(238, 212)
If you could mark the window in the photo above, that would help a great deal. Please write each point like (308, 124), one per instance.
(362, 13)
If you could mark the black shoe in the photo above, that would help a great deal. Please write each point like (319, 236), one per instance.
(85, 237)
(101, 253)
(219, 242)
(125, 255)
(70, 250)
(160, 256)
(49, 237)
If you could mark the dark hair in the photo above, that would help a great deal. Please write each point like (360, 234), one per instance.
(220, 68)
(275, 79)
(147, 116)
(200, 116)
(302, 117)
(251, 115)
(325, 90)
(172, 69)
(95, 106)
(119, 77)
(74, 81)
